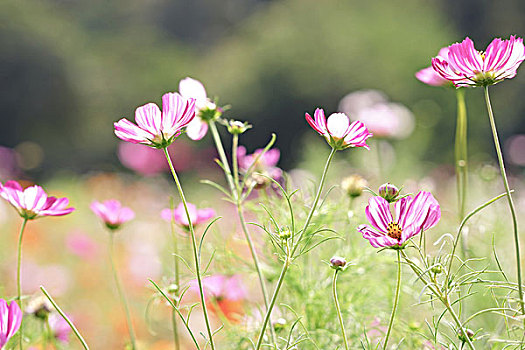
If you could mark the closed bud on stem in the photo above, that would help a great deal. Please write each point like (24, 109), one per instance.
(279, 324)
(389, 192)
(39, 307)
(354, 185)
(338, 263)
(284, 233)
(462, 335)
(236, 127)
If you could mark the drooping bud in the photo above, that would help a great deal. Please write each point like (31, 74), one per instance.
(338, 263)
(40, 307)
(354, 185)
(389, 192)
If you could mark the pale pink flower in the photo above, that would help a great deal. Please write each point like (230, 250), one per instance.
(60, 328)
(10, 320)
(266, 164)
(198, 216)
(429, 76)
(33, 201)
(338, 131)
(155, 128)
(412, 215)
(112, 213)
(82, 245)
(465, 66)
(198, 127)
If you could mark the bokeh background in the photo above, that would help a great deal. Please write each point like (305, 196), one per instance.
(70, 68)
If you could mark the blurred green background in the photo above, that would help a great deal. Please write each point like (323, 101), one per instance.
(70, 68)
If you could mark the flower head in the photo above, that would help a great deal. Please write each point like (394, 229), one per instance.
(112, 213)
(265, 165)
(155, 128)
(465, 66)
(10, 320)
(338, 263)
(412, 215)
(430, 77)
(338, 131)
(354, 185)
(389, 192)
(33, 201)
(198, 216)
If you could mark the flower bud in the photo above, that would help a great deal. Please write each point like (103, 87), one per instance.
(259, 181)
(236, 127)
(173, 289)
(40, 307)
(389, 192)
(279, 324)
(354, 185)
(437, 269)
(338, 263)
(284, 233)
(462, 335)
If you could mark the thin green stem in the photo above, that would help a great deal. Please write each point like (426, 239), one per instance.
(338, 309)
(461, 152)
(19, 278)
(177, 279)
(194, 247)
(235, 146)
(121, 292)
(509, 199)
(222, 154)
(290, 253)
(62, 313)
(396, 300)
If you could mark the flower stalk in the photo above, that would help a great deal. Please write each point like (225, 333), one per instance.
(338, 309)
(19, 278)
(396, 299)
(177, 280)
(460, 152)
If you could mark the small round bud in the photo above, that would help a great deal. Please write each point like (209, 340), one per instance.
(462, 335)
(437, 269)
(173, 288)
(236, 127)
(389, 192)
(354, 185)
(40, 307)
(279, 324)
(338, 263)
(284, 234)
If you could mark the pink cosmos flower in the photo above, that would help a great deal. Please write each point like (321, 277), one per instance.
(60, 328)
(338, 131)
(198, 127)
(155, 128)
(429, 76)
(412, 215)
(10, 320)
(33, 202)
(266, 164)
(112, 213)
(465, 66)
(198, 216)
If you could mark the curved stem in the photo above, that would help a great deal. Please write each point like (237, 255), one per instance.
(396, 300)
(194, 247)
(19, 278)
(121, 292)
(338, 309)
(509, 198)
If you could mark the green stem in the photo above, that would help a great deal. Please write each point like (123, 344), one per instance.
(338, 309)
(222, 154)
(396, 300)
(235, 146)
(290, 253)
(461, 152)
(194, 247)
(19, 278)
(177, 280)
(509, 198)
(121, 292)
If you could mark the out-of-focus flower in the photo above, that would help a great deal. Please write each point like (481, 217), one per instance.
(427, 345)
(388, 192)
(10, 319)
(82, 245)
(9, 167)
(265, 165)
(225, 292)
(338, 131)
(155, 128)
(375, 331)
(33, 202)
(198, 216)
(381, 117)
(40, 307)
(338, 263)
(413, 215)
(465, 66)
(112, 213)
(430, 77)
(59, 327)
(354, 185)
(205, 109)
(514, 148)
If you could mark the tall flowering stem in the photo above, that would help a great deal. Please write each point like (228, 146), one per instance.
(460, 151)
(509, 197)
(194, 247)
(177, 280)
(19, 277)
(291, 252)
(338, 309)
(121, 295)
(396, 300)
(233, 182)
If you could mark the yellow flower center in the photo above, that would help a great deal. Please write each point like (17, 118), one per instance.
(394, 230)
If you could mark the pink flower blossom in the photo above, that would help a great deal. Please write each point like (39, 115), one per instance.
(155, 128)
(198, 127)
(10, 320)
(82, 245)
(465, 66)
(338, 131)
(33, 201)
(112, 213)
(198, 216)
(60, 328)
(412, 215)
(429, 76)
(267, 163)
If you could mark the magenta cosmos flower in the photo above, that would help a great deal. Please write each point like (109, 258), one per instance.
(430, 77)
(338, 131)
(205, 108)
(33, 201)
(155, 128)
(198, 216)
(10, 320)
(412, 215)
(465, 66)
(266, 164)
(112, 213)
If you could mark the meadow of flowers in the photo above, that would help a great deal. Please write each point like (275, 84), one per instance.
(253, 257)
